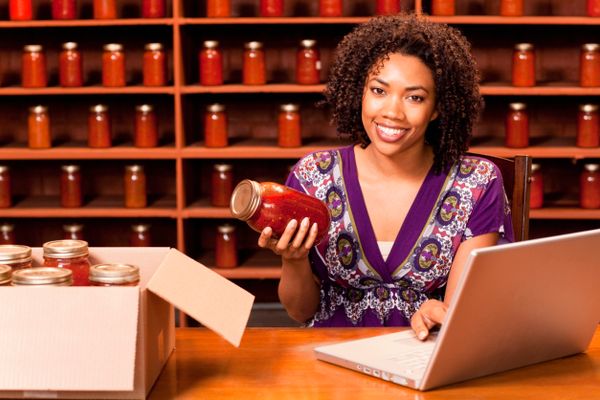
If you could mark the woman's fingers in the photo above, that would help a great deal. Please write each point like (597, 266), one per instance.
(265, 237)
(419, 326)
(286, 236)
(299, 238)
(430, 314)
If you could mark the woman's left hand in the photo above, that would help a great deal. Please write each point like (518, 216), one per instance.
(430, 314)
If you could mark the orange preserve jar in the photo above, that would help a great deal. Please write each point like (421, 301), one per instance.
(146, 126)
(105, 9)
(64, 9)
(308, 63)
(135, 186)
(155, 65)
(589, 186)
(33, 67)
(5, 187)
(589, 65)
(442, 7)
(70, 186)
(20, 10)
(38, 124)
(221, 185)
(271, 8)
(536, 199)
(387, 7)
(254, 70)
(226, 247)
(593, 8)
(139, 235)
(330, 8)
(7, 234)
(523, 65)
(99, 127)
(511, 8)
(517, 126)
(215, 126)
(70, 66)
(218, 8)
(43, 276)
(210, 61)
(114, 275)
(263, 204)
(153, 8)
(588, 126)
(73, 231)
(289, 128)
(69, 254)
(5, 275)
(113, 65)
(15, 256)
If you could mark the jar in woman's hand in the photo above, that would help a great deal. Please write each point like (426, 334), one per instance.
(263, 204)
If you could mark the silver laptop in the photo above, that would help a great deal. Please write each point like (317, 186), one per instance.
(515, 304)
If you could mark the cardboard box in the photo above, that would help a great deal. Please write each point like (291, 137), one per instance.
(110, 343)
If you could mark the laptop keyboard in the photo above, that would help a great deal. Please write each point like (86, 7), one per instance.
(413, 362)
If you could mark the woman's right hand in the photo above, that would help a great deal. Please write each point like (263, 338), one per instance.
(295, 242)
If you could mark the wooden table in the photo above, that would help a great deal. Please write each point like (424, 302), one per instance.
(278, 363)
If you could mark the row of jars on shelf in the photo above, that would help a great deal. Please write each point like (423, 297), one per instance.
(589, 186)
(22, 10)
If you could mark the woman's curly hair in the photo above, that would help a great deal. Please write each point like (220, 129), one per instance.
(443, 49)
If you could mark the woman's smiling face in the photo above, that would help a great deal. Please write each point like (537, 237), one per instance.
(398, 103)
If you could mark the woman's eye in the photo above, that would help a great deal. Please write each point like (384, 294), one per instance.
(415, 98)
(377, 90)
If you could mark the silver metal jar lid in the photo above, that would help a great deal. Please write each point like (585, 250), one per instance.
(42, 276)
(68, 248)
(114, 273)
(245, 199)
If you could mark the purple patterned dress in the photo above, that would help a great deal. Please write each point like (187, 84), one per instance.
(359, 288)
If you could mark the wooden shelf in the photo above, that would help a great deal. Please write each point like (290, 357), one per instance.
(64, 152)
(564, 213)
(525, 20)
(201, 209)
(254, 264)
(86, 90)
(46, 23)
(544, 147)
(272, 21)
(239, 88)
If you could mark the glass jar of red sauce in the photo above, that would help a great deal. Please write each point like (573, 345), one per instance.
(70, 70)
(215, 126)
(511, 8)
(523, 65)
(64, 9)
(517, 126)
(113, 65)
(221, 185)
(5, 187)
(589, 65)
(43, 276)
(73, 231)
(114, 275)
(99, 127)
(105, 9)
(139, 236)
(226, 247)
(263, 204)
(146, 126)
(7, 234)
(593, 8)
(271, 8)
(69, 254)
(442, 7)
(135, 186)
(218, 8)
(210, 61)
(289, 127)
(330, 8)
(20, 10)
(16, 256)
(5, 275)
(70, 186)
(33, 67)
(536, 199)
(589, 186)
(38, 124)
(254, 70)
(588, 126)
(154, 70)
(153, 9)
(387, 7)
(308, 63)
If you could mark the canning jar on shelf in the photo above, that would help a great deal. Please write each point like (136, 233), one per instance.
(43, 276)
(114, 275)
(105, 9)
(64, 9)
(387, 7)
(139, 235)
(5, 187)
(254, 69)
(70, 186)
(15, 256)
(215, 126)
(221, 185)
(589, 65)
(218, 8)
(210, 61)
(20, 10)
(7, 233)
(226, 247)
(135, 186)
(308, 63)
(33, 67)
(113, 65)
(271, 8)
(99, 127)
(588, 126)
(589, 186)
(536, 199)
(511, 8)
(289, 127)
(38, 123)
(330, 8)
(73, 231)
(69, 254)
(146, 126)
(442, 7)
(70, 66)
(517, 126)
(523, 65)
(154, 68)
(593, 8)
(153, 9)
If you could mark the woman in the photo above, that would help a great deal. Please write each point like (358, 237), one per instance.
(407, 205)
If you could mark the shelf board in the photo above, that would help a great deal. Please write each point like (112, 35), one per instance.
(254, 264)
(549, 89)
(202, 209)
(564, 213)
(65, 152)
(46, 23)
(86, 90)
(540, 147)
(272, 21)
(524, 20)
(240, 88)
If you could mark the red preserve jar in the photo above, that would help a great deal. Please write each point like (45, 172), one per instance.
(15, 256)
(5, 187)
(215, 126)
(20, 10)
(589, 65)
(330, 8)
(99, 127)
(523, 65)
(146, 126)
(211, 64)
(33, 71)
(536, 199)
(271, 8)
(289, 132)
(135, 186)
(70, 66)
(588, 126)
(226, 247)
(153, 8)
(105, 9)
(64, 9)
(218, 8)
(511, 8)
(7, 234)
(254, 72)
(70, 186)
(73, 231)
(274, 205)
(593, 8)
(387, 7)
(5, 275)
(114, 275)
(113, 65)
(155, 65)
(69, 254)
(442, 7)
(221, 185)
(139, 236)
(308, 63)
(39, 128)
(589, 186)
(43, 276)
(517, 126)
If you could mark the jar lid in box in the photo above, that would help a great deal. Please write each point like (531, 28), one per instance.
(14, 254)
(5, 273)
(114, 273)
(42, 276)
(65, 248)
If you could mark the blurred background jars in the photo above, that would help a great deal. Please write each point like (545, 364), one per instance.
(221, 185)
(69, 254)
(517, 126)
(589, 65)
(442, 7)
(511, 8)
(271, 8)
(146, 126)
(588, 126)
(20, 10)
(330, 8)
(64, 9)
(210, 61)
(218, 8)
(5, 275)
(593, 8)
(536, 199)
(70, 66)
(135, 186)
(15, 256)
(215, 126)
(308, 63)
(114, 275)
(113, 65)
(589, 186)
(70, 186)
(99, 127)
(254, 70)
(43, 276)
(153, 9)
(387, 7)
(38, 123)
(226, 247)
(289, 127)
(5, 187)
(140, 235)
(73, 231)
(523, 65)
(105, 9)
(33, 67)
(154, 68)
(7, 233)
